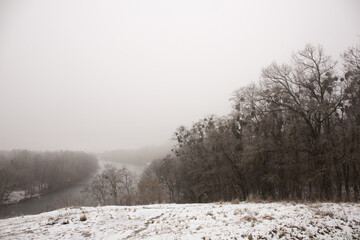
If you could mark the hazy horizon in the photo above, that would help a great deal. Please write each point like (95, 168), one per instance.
(104, 75)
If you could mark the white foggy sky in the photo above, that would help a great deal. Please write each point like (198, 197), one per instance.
(101, 75)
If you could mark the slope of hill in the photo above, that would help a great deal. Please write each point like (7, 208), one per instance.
(191, 221)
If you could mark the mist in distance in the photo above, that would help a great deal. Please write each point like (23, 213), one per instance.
(102, 75)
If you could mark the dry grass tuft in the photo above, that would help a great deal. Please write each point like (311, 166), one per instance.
(237, 211)
(83, 218)
(268, 217)
(249, 218)
(324, 213)
(254, 198)
(209, 213)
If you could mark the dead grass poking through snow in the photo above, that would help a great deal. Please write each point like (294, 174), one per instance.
(83, 218)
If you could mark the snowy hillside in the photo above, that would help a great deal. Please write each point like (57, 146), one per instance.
(191, 221)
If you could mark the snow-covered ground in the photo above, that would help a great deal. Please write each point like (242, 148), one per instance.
(15, 197)
(191, 221)
(18, 196)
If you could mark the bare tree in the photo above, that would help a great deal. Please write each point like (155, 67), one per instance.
(114, 186)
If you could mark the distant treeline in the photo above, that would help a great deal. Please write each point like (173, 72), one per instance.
(42, 172)
(295, 135)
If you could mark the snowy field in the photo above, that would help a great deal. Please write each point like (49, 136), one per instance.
(15, 197)
(191, 221)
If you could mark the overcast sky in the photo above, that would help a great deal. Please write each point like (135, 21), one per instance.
(101, 75)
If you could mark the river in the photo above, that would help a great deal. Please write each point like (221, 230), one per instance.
(71, 196)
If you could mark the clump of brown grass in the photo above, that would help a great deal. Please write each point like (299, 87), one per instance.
(253, 198)
(324, 213)
(250, 218)
(209, 213)
(268, 217)
(83, 218)
(237, 211)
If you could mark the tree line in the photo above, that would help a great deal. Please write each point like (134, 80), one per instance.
(36, 173)
(294, 135)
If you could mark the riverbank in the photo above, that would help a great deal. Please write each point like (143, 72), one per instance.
(73, 195)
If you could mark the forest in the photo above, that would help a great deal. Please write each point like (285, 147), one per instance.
(37, 173)
(294, 135)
